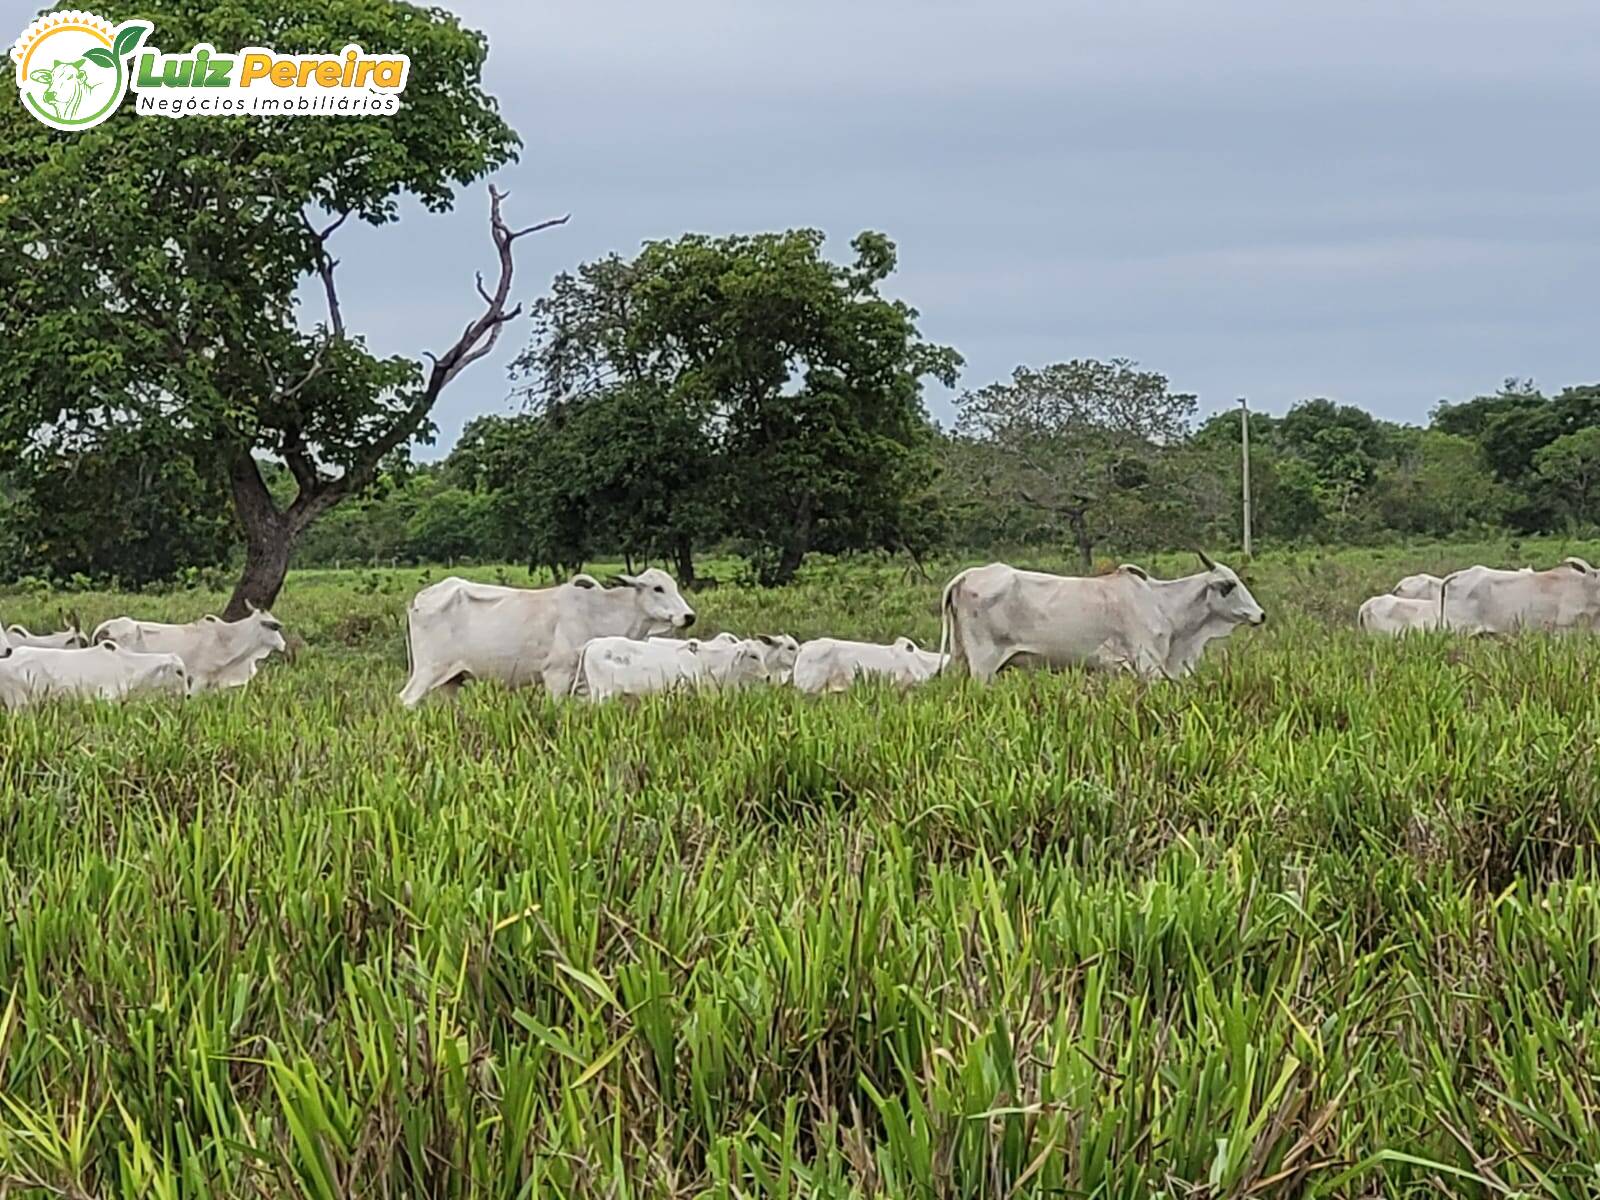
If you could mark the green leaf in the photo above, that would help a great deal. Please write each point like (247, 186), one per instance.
(100, 57)
(127, 40)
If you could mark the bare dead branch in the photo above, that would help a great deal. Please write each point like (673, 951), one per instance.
(552, 222)
(324, 234)
(313, 369)
(476, 340)
(297, 456)
(325, 266)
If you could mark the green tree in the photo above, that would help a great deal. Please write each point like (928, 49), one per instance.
(540, 511)
(149, 268)
(1441, 485)
(1470, 418)
(1077, 441)
(124, 510)
(804, 380)
(1570, 468)
(1343, 444)
(448, 523)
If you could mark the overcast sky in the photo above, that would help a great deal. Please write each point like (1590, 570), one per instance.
(1385, 203)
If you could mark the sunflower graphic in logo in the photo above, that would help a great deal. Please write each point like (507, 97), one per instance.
(72, 67)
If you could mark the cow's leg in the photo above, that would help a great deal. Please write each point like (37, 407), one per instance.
(985, 662)
(558, 679)
(425, 679)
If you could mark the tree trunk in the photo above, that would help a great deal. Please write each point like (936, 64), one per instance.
(683, 559)
(797, 543)
(268, 540)
(1080, 537)
(266, 562)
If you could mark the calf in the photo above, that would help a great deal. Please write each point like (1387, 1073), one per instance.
(832, 664)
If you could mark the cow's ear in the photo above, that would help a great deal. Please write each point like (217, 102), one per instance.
(583, 581)
(1135, 570)
(109, 645)
(766, 639)
(1577, 564)
(630, 580)
(39, 76)
(212, 617)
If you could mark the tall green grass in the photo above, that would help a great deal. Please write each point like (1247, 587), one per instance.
(1321, 920)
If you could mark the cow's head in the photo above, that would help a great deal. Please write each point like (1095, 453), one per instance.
(778, 652)
(658, 598)
(1226, 597)
(266, 629)
(749, 665)
(1417, 587)
(166, 673)
(67, 86)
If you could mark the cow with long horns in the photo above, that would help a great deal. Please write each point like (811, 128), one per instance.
(1001, 616)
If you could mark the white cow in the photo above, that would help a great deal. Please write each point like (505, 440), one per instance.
(216, 653)
(1418, 587)
(722, 639)
(622, 666)
(107, 671)
(833, 664)
(1394, 615)
(1484, 600)
(458, 630)
(618, 666)
(998, 616)
(774, 656)
(1426, 587)
(67, 639)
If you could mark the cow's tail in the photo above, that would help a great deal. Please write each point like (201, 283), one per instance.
(1444, 591)
(579, 685)
(950, 648)
(411, 658)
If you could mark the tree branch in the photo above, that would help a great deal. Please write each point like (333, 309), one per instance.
(297, 456)
(476, 340)
(325, 266)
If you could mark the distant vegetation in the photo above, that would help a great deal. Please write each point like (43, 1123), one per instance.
(1093, 460)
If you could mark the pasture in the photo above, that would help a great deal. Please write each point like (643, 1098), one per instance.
(1322, 920)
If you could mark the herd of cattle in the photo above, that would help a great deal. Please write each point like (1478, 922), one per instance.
(1489, 600)
(124, 657)
(581, 638)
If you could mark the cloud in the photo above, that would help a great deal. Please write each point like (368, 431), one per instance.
(1389, 203)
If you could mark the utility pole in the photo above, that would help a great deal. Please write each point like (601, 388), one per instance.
(1244, 446)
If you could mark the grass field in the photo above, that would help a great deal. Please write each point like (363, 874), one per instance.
(1322, 920)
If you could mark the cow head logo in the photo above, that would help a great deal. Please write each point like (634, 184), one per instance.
(73, 69)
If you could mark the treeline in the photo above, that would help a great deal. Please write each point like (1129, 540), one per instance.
(1099, 458)
(746, 395)
(528, 489)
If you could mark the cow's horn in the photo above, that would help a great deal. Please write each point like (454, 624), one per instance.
(1206, 558)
